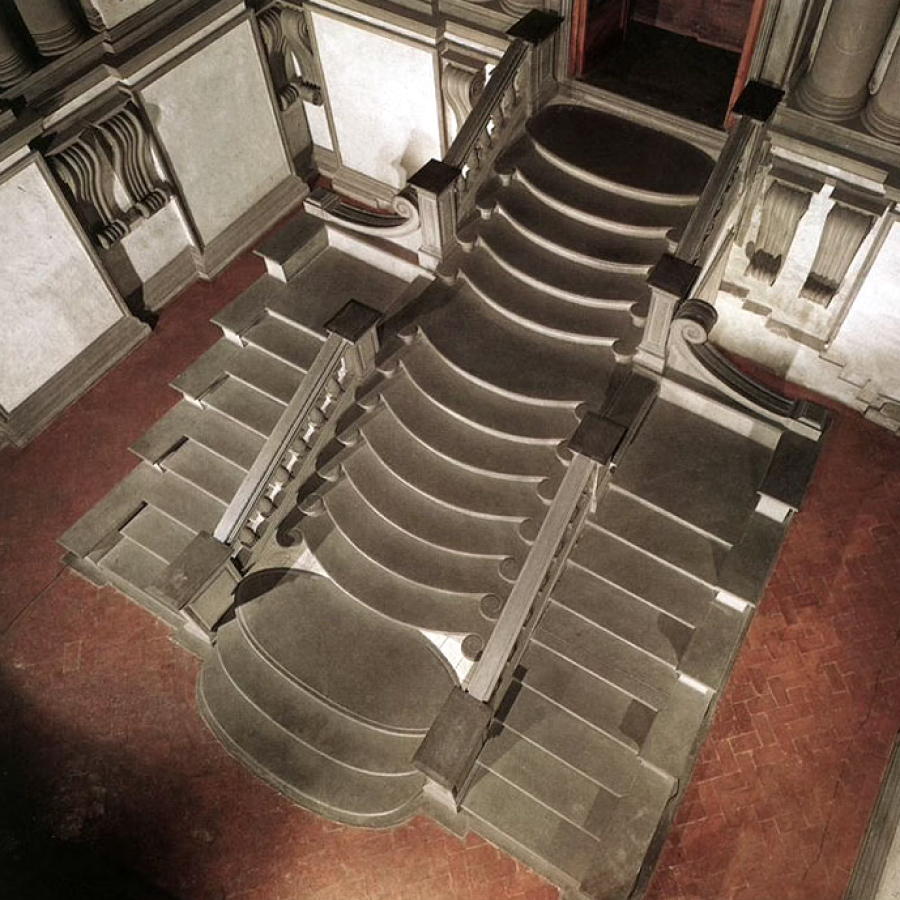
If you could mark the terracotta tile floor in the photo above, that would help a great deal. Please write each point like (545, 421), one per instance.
(101, 747)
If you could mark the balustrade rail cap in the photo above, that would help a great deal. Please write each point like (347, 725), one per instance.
(535, 26)
(674, 275)
(758, 101)
(435, 176)
(352, 320)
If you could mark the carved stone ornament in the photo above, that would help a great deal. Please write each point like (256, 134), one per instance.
(115, 147)
(783, 208)
(285, 35)
(845, 230)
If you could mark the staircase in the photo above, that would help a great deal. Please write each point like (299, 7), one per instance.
(426, 504)
(194, 458)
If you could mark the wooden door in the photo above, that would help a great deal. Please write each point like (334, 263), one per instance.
(596, 26)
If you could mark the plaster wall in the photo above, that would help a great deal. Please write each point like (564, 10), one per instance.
(53, 300)
(156, 241)
(383, 98)
(214, 118)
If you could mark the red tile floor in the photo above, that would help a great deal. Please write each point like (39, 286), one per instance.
(101, 746)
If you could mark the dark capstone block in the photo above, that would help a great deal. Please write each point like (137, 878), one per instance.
(597, 438)
(674, 276)
(449, 750)
(191, 571)
(435, 176)
(353, 320)
(758, 101)
(811, 413)
(791, 469)
(535, 26)
(631, 400)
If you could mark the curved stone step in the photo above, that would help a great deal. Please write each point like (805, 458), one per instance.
(312, 720)
(469, 447)
(388, 593)
(307, 777)
(547, 315)
(474, 403)
(566, 279)
(589, 245)
(408, 556)
(393, 678)
(592, 204)
(499, 352)
(444, 482)
(414, 513)
(619, 155)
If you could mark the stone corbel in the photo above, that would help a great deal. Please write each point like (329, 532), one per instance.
(87, 158)
(845, 230)
(85, 174)
(285, 34)
(463, 82)
(128, 143)
(783, 207)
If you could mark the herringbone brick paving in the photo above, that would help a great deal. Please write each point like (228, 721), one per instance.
(101, 746)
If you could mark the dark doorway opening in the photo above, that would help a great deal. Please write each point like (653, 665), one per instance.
(686, 57)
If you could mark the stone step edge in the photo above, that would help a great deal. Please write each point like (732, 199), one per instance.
(613, 187)
(377, 820)
(298, 737)
(264, 654)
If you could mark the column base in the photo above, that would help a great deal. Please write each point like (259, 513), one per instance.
(833, 109)
(880, 123)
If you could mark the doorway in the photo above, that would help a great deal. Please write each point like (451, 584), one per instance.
(686, 57)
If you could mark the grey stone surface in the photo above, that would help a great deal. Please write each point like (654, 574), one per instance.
(747, 566)
(212, 474)
(296, 347)
(662, 536)
(790, 469)
(245, 405)
(158, 533)
(268, 374)
(206, 371)
(680, 596)
(698, 471)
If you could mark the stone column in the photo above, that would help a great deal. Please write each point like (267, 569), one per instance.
(54, 25)
(882, 113)
(14, 63)
(836, 85)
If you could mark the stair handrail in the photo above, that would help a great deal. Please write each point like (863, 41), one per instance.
(343, 359)
(524, 605)
(400, 219)
(736, 165)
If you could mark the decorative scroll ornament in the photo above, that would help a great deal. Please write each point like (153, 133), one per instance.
(845, 230)
(285, 35)
(81, 169)
(132, 160)
(783, 208)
